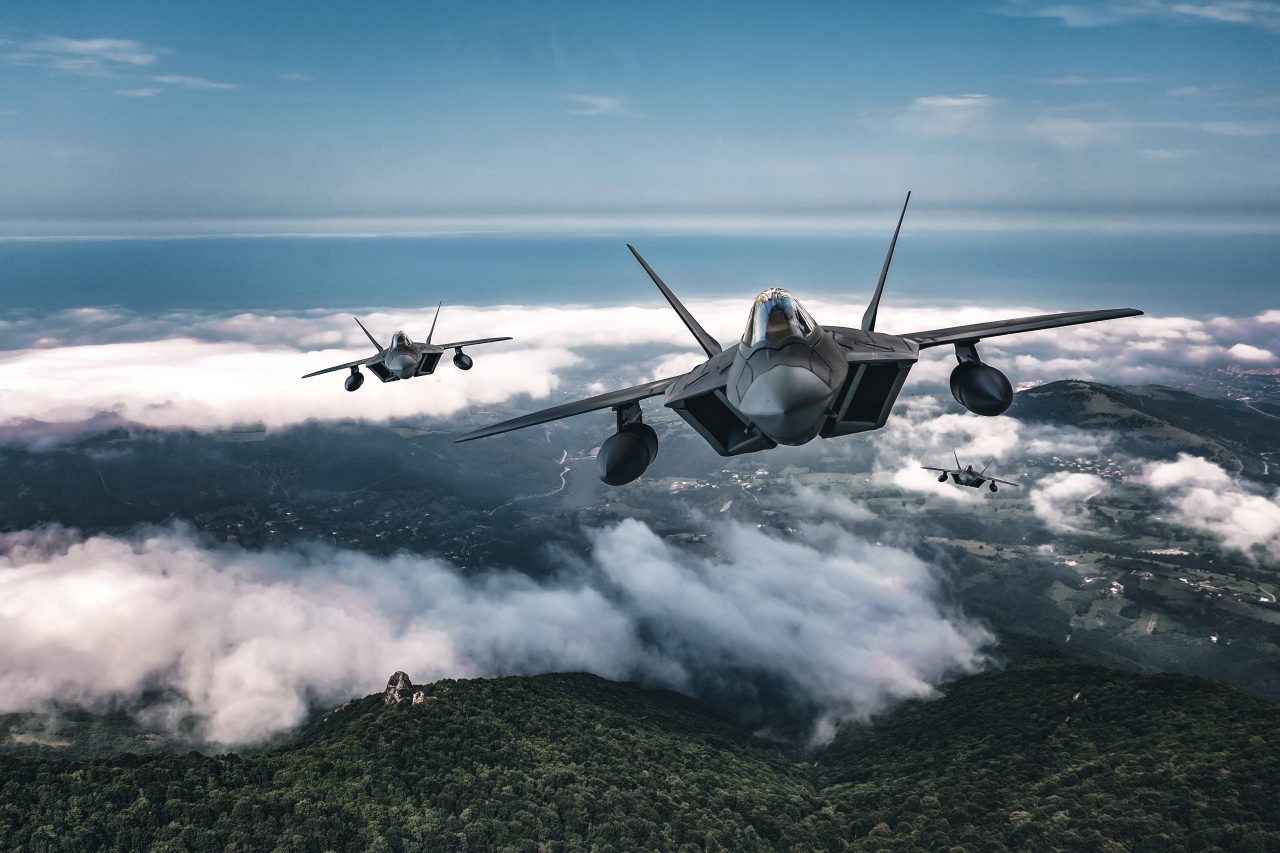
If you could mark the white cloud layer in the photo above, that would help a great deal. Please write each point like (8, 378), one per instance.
(210, 370)
(1205, 498)
(244, 639)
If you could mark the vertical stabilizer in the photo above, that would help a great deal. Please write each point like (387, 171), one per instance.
(439, 305)
(709, 344)
(957, 456)
(371, 338)
(869, 318)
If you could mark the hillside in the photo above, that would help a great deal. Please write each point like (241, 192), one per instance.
(1160, 421)
(1048, 756)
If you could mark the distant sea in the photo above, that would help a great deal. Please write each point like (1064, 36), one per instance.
(1205, 274)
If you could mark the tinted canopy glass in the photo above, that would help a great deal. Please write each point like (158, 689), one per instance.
(776, 315)
(399, 339)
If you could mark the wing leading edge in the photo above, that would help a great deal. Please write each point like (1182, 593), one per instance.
(978, 331)
(577, 407)
(361, 363)
(477, 342)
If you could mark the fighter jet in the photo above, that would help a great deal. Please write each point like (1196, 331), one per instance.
(405, 359)
(966, 476)
(789, 380)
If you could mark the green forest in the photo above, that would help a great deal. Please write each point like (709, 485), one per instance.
(1050, 756)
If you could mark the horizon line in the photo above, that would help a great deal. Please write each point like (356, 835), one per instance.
(588, 224)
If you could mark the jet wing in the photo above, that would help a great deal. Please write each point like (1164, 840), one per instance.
(474, 343)
(1004, 482)
(978, 331)
(943, 470)
(578, 407)
(361, 363)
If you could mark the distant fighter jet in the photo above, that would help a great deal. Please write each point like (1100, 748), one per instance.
(405, 359)
(789, 379)
(966, 476)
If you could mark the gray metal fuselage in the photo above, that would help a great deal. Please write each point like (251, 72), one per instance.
(831, 382)
(967, 476)
(405, 359)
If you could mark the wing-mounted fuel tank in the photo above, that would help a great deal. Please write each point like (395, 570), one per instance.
(630, 451)
(979, 387)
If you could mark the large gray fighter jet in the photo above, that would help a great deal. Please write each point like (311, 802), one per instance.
(404, 359)
(789, 379)
(967, 475)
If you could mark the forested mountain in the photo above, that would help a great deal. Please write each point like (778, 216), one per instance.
(1044, 756)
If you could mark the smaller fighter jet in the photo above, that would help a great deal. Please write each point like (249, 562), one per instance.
(967, 476)
(405, 359)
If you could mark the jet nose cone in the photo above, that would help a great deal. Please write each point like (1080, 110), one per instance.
(787, 403)
(402, 365)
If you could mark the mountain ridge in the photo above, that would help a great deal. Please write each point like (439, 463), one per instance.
(1166, 420)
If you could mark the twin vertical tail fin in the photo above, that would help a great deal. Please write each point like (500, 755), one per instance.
(869, 318)
(439, 305)
(709, 344)
(371, 338)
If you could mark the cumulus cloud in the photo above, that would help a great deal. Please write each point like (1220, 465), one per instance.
(928, 430)
(1205, 498)
(1245, 352)
(812, 502)
(1061, 500)
(243, 640)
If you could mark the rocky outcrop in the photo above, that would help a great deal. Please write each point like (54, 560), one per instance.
(398, 682)
(419, 697)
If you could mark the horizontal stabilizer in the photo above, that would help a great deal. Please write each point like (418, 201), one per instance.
(709, 344)
(978, 331)
(578, 407)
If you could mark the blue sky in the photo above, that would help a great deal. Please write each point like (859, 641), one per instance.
(152, 110)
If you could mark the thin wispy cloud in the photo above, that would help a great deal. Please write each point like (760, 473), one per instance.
(186, 82)
(137, 93)
(94, 57)
(1254, 13)
(1083, 80)
(966, 101)
(1164, 153)
(598, 105)
(1196, 91)
(1072, 132)
(966, 114)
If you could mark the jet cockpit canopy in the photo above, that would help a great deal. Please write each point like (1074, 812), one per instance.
(399, 340)
(775, 316)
